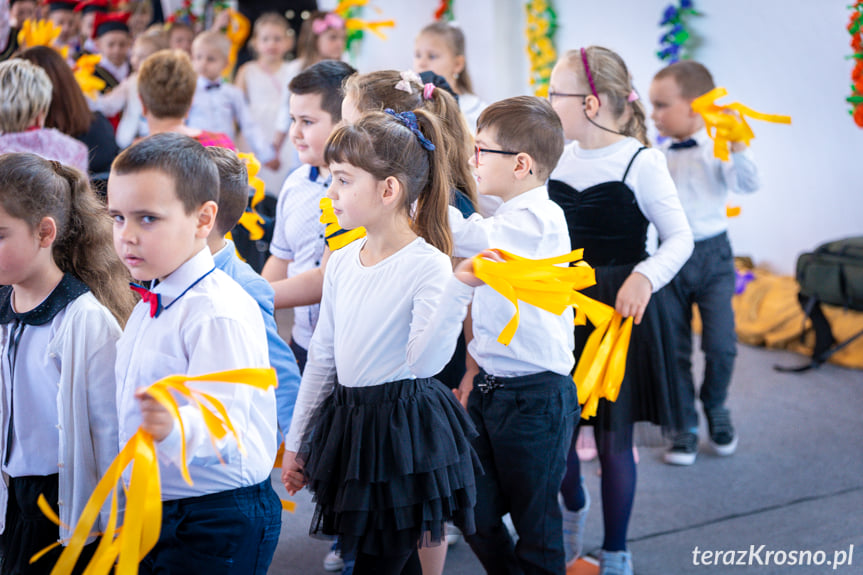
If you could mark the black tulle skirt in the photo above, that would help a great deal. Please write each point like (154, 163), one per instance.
(389, 465)
(648, 392)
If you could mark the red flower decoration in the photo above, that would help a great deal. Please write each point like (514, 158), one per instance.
(858, 116)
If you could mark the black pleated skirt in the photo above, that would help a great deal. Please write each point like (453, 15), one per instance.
(648, 392)
(389, 465)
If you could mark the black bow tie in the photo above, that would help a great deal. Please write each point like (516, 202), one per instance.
(690, 143)
(214, 85)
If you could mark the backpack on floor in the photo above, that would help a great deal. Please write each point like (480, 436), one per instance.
(832, 274)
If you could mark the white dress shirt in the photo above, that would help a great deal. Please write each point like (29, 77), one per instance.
(219, 107)
(703, 182)
(298, 237)
(529, 225)
(379, 323)
(654, 191)
(212, 325)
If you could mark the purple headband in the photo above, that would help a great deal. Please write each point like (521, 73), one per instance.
(589, 76)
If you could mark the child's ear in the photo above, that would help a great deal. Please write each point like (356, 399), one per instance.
(390, 190)
(206, 219)
(459, 64)
(47, 231)
(524, 165)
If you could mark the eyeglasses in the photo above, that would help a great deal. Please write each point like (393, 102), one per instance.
(477, 151)
(552, 95)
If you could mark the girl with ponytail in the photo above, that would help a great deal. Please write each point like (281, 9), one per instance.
(64, 296)
(383, 445)
(611, 187)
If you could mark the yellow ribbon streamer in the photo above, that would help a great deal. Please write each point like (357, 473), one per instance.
(725, 127)
(251, 219)
(237, 32)
(41, 33)
(546, 285)
(84, 72)
(337, 237)
(129, 544)
(343, 8)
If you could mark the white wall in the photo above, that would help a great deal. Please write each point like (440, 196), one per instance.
(776, 56)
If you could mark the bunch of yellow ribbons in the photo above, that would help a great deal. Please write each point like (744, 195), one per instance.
(546, 285)
(337, 237)
(250, 219)
(129, 544)
(85, 68)
(725, 127)
(41, 33)
(353, 24)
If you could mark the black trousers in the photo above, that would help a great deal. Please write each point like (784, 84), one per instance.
(525, 429)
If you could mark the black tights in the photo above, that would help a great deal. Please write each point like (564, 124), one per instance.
(618, 485)
(408, 564)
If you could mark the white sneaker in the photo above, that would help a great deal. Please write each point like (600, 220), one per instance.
(615, 563)
(333, 561)
(453, 534)
(573, 529)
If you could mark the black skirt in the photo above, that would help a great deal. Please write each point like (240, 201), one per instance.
(389, 465)
(648, 392)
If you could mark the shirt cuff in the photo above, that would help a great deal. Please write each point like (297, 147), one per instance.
(170, 448)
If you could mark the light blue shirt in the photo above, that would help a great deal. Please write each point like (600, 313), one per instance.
(281, 356)
(704, 181)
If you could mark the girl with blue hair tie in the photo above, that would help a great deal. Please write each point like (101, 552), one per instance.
(384, 447)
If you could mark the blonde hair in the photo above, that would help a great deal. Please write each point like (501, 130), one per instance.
(454, 38)
(25, 94)
(166, 84)
(214, 40)
(611, 77)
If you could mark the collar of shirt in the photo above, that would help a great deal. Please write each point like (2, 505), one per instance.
(523, 200)
(66, 291)
(182, 278)
(315, 176)
(224, 254)
(701, 138)
(119, 72)
(204, 83)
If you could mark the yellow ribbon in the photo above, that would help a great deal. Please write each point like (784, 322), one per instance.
(726, 127)
(336, 240)
(41, 33)
(129, 544)
(85, 68)
(250, 219)
(237, 32)
(546, 285)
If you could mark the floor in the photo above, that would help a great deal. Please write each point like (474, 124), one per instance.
(795, 487)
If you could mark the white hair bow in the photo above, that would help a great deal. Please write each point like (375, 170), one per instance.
(404, 84)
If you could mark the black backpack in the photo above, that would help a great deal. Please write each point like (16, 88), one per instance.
(832, 274)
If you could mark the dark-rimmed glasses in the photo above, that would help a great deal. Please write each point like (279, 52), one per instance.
(477, 151)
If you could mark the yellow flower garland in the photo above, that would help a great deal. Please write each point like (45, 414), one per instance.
(541, 25)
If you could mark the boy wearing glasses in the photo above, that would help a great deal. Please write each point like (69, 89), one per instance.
(523, 401)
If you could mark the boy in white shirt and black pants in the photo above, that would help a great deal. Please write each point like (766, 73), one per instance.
(162, 195)
(708, 277)
(523, 401)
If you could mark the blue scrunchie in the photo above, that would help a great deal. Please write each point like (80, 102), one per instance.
(409, 119)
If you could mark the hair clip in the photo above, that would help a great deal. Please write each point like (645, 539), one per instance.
(633, 96)
(428, 90)
(407, 77)
(409, 119)
(330, 20)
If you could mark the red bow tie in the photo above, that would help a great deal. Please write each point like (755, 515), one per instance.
(154, 299)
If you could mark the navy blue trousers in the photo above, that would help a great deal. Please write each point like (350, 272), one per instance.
(231, 532)
(706, 280)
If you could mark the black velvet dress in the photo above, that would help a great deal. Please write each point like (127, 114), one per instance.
(606, 221)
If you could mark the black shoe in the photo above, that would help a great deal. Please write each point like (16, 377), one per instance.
(683, 450)
(723, 439)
